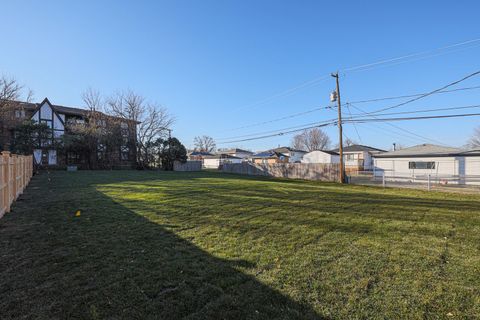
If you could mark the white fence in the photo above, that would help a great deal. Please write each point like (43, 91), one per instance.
(15, 174)
(426, 181)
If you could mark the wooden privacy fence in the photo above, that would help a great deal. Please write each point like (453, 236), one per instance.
(15, 174)
(187, 166)
(305, 171)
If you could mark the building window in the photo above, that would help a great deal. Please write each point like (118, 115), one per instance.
(124, 153)
(350, 156)
(19, 114)
(73, 158)
(124, 129)
(49, 123)
(421, 165)
(101, 123)
(101, 152)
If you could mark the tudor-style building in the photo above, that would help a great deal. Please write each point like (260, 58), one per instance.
(58, 118)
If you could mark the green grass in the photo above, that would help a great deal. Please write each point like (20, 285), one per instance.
(152, 245)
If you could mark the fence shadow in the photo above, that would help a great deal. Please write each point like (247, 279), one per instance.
(110, 262)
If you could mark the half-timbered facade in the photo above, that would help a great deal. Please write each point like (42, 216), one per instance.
(59, 118)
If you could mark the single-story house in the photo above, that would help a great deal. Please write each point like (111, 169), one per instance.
(321, 156)
(442, 164)
(358, 157)
(269, 157)
(215, 161)
(198, 155)
(239, 153)
(294, 155)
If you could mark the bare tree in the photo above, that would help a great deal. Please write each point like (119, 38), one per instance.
(153, 120)
(204, 144)
(93, 100)
(474, 141)
(11, 94)
(310, 140)
(349, 142)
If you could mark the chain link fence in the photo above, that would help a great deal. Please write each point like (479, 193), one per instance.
(424, 181)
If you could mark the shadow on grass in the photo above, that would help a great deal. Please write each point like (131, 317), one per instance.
(112, 263)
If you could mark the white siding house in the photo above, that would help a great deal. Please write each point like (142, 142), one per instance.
(443, 165)
(240, 153)
(215, 161)
(321, 156)
(359, 157)
(294, 155)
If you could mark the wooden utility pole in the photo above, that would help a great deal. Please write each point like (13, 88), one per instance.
(340, 130)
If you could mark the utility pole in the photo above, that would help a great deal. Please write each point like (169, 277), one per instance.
(340, 129)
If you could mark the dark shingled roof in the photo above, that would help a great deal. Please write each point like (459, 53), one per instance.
(359, 148)
(222, 156)
(327, 151)
(421, 150)
(200, 153)
(236, 150)
(59, 109)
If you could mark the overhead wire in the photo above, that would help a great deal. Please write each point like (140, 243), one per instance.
(319, 125)
(426, 94)
(402, 129)
(368, 66)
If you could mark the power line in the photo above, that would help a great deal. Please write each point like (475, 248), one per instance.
(319, 125)
(427, 94)
(299, 114)
(414, 111)
(322, 78)
(413, 118)
(352, 117)
(421, 56)
(285, 93)
(402, 129)
(277, 134)
(389, 132)
(413, 95)
(354, 125)
(277, 130)
(294, 115)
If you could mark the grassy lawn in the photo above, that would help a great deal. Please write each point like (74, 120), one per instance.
(151, 245)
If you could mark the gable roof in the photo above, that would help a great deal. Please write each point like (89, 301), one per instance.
(333, 153)
(472, 152)
(236, 150)
(221, 156)
(287, 150)
(359, 148)
(268, 154)
(73, 111)
(200, 153)
(421, 150)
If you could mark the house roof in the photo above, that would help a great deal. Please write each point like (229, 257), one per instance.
(221, 156)
(333, 153)
(287, 150)
(236, 150)
(359, 148)
(473, 152)
(60, 109)
(421, 150)
(268, 154)
(200, 153)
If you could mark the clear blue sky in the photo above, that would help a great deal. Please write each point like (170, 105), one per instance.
(210, 62)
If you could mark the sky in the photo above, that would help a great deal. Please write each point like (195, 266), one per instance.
(224, 68)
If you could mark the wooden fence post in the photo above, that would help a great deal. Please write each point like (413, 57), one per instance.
(6, 180)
